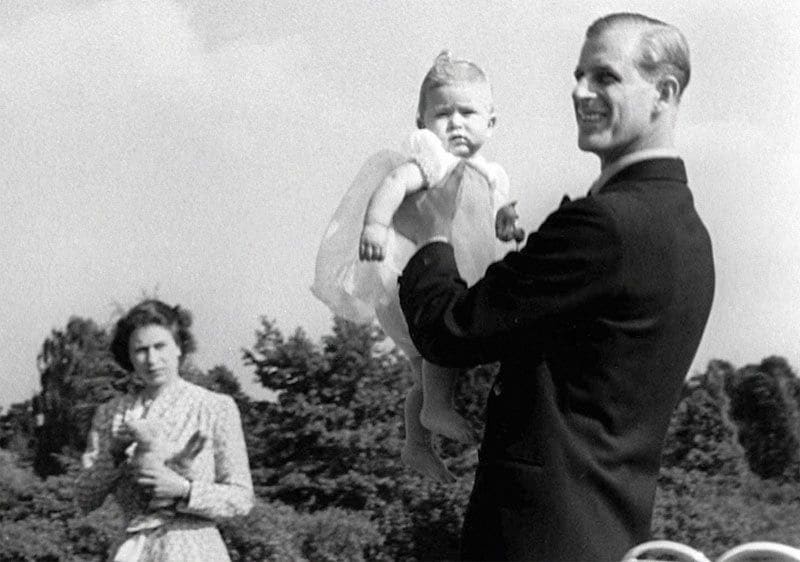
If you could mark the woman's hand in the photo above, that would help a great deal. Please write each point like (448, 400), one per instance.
(89, 458)
(163, 482)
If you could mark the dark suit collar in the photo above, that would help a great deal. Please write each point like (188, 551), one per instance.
(663, 169)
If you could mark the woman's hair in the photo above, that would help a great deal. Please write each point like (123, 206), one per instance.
(148, 313)
(663, 50)
(446, 71)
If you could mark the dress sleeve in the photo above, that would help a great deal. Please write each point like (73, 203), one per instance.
(501, 188)
(100, 476)
(571, 261)
(425, 150)
(231, 493)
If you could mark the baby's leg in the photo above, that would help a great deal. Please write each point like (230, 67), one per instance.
(418, 453)
(438, 410)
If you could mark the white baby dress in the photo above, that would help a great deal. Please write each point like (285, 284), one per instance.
(361, 291)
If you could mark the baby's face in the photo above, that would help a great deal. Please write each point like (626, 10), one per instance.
(461, 116)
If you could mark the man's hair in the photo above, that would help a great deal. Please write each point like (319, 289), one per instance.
(446, 71)
(663, 50)
(152, 312)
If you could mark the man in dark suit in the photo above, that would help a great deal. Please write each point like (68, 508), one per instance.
(595, 321)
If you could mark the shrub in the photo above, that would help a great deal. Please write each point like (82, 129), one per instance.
(714, 513)
(277, 533)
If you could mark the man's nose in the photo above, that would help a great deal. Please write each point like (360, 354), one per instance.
(581, 90)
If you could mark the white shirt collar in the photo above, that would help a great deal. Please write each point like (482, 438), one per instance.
(627, 160)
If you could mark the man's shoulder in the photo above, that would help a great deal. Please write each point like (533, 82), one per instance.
(620, 216)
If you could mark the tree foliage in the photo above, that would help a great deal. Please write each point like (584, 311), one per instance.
(701, 435)
(764, 405)
(334, 437)
(325, 455)
(77, 373)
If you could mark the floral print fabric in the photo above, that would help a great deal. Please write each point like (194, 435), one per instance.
(220, 473)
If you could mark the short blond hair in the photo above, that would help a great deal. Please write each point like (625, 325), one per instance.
(446, 71)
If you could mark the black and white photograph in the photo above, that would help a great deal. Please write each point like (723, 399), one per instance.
(399, 281)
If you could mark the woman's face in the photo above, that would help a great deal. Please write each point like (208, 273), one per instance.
(155, 355)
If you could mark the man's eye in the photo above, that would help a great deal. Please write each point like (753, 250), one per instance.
(606, 78)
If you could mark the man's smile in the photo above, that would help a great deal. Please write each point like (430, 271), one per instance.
(590, 116)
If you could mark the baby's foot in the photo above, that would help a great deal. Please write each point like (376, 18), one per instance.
(424, 460)
(448, 423)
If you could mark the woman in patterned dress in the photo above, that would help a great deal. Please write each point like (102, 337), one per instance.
(212, 483)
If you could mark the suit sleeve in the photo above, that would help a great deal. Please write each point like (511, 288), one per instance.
(571, 261)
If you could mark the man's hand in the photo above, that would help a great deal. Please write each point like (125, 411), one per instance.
(435, 209)
(372, 246)
(505, 224)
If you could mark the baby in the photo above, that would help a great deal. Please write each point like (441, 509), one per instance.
(455, 118)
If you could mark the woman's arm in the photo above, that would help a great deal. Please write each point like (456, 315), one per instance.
(231, 493)
(406, 178)
(100, 467)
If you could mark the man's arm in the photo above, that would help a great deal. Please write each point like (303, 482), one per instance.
(573, 259)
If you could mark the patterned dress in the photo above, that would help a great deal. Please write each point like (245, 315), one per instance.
(220, 473)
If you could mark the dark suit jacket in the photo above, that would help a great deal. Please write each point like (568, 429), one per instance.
(595, 322)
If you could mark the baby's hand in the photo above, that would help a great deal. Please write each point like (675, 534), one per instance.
(372, 246)
(505, 224)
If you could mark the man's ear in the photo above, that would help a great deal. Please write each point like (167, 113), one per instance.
(669, 91)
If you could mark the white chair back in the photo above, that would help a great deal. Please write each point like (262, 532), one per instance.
(677, 551)
(761, 551)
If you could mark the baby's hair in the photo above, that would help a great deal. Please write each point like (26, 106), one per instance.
(446, 71)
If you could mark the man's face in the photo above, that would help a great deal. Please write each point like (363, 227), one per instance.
(614, 103)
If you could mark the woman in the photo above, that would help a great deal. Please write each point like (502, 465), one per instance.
(151, 341)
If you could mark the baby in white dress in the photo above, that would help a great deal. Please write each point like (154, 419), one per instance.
(365, 249)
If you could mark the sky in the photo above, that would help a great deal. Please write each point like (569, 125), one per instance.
(195, 150)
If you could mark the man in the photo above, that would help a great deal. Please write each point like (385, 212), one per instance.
(595, 321)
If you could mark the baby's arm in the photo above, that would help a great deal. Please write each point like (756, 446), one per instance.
(406, 178)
